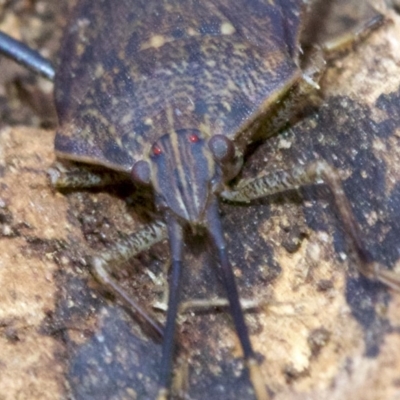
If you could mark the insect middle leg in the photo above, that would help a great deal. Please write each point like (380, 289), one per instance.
(317, 172)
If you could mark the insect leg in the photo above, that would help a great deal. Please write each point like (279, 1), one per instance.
(75, 176)
(329, 25)
(125, 249)
(216, 233)
(319, 171)
(25, 56)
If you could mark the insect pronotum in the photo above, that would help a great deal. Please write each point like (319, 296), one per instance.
(170, 94)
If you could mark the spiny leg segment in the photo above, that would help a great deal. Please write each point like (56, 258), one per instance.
(123, 250)
(83, 176)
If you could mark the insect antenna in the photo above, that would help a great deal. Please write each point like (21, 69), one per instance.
(216, 232)
(175, 234)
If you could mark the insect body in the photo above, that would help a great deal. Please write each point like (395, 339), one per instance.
(164, 97)
(170, 94)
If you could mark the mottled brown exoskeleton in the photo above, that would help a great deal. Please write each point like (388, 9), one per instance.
(171, 94)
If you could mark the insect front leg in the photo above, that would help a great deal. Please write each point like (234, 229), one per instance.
(81, 176)
(125, 249)
(317, 172)
(73, 176)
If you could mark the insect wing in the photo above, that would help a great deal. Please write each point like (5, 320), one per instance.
(131, 71)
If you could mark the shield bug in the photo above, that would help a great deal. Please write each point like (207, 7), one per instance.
(171, 96)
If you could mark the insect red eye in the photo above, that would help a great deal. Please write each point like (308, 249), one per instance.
(193, 138)
(156, 150)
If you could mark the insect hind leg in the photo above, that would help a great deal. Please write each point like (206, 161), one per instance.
(317, 172)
